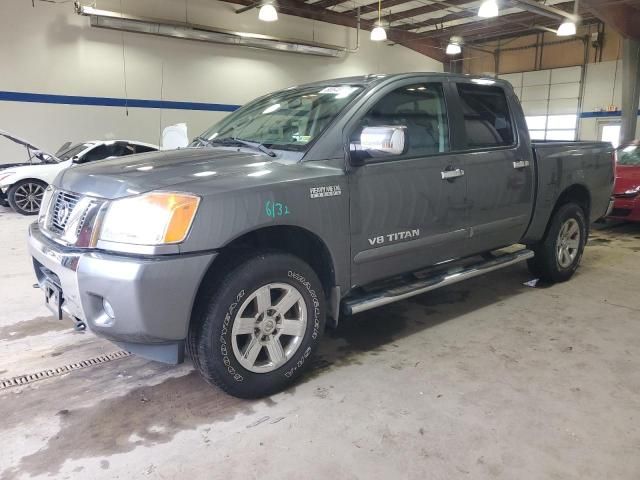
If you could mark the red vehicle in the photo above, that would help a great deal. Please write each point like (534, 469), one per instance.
(627, 188)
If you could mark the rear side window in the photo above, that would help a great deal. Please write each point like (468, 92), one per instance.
(142, 148)
(486, 116)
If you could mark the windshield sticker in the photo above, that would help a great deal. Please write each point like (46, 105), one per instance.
(342, 92)
(325, 191)
(394, 237)
(275, 209)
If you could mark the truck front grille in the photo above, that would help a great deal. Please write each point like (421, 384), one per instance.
(71, 218)
(62, 207)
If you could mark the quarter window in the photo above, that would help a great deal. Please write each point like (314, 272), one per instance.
(421, 109)
(486, 116)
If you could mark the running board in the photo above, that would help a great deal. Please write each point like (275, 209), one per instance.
(384, 297)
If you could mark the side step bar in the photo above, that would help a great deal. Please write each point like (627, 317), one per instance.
(384, 297)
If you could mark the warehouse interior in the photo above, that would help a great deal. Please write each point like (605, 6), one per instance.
(511, 373)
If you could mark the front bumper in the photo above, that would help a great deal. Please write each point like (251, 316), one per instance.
(626, 208)
(151, 296)
(3, 197)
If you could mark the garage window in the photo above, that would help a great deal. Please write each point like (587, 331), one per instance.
(552, 127)
(486, 116)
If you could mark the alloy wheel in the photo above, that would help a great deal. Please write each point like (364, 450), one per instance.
(269, 327)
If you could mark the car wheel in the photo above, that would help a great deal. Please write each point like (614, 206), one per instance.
(254, 329)
(558, 255)
(25, 196)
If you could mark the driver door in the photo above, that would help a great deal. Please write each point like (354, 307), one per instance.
(407, 211)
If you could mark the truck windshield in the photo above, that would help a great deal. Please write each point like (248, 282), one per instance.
(287, 120)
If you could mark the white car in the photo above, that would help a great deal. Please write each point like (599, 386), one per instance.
(22, 185)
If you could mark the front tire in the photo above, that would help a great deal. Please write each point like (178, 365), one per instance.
(254, 328)
(558, 255)
(25, 196)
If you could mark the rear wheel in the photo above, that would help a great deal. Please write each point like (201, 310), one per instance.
(25, 196)
(558, 255)
(254, 329)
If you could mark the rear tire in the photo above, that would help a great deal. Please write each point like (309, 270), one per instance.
(25, 196)
(255, 327)
(558, 255)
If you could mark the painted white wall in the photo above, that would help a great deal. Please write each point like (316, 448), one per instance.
(49, 49)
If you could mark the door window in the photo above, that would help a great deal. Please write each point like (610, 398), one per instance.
(421, 109)
(142, 148)
(486, 116)
(98, 153)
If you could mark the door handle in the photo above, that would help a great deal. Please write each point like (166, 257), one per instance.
(521, 164)
(449, 174)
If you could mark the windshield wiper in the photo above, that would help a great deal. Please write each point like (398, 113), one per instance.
(257, 145)
(237, 141)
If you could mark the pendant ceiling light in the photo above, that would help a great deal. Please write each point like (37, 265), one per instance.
(378, 33)
(268, 13)
(454, 47)
(488, 9)
(566, 29)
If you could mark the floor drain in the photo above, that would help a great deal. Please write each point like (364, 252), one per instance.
(54, 372)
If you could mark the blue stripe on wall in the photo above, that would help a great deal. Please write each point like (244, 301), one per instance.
(616, 113)
(114, 102)
(166, 104)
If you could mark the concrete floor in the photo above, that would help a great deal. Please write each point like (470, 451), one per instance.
(487, 379)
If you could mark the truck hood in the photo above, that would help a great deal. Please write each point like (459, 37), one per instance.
(125, 176)
(627, 178)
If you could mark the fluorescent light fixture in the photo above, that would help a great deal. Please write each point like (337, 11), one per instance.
(145, 168)
(268, 13)
(488, 9)
(566, 29)
(378, 34)
(453, 49)
(206, 173)
(166, 28)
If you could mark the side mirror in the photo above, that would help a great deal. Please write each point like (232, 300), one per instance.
(379, 142)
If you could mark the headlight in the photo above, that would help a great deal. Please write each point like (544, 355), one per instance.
(44, 205)
(149, 219)
(5, 175)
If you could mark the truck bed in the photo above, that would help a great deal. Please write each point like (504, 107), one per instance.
(560, 164)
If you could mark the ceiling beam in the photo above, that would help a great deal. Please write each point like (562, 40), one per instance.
(419, 43)
(623, 18)
(522, 18)
(432, 7)
(373, 7)
(327, 3)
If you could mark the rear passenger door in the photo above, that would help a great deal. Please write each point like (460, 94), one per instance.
(403, 213)
(497, 163)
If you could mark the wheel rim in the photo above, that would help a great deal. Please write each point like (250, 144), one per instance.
(29, 196)
(269, 327)
(568, 243)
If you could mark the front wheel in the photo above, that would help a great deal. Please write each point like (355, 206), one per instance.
(254, 329)
(558, 255)
(25, 196)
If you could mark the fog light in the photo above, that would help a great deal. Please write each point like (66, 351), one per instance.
(108, 309)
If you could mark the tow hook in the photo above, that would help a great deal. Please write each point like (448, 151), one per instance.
(79, 326)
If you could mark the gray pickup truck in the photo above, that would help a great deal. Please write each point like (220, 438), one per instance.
(306, 204)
